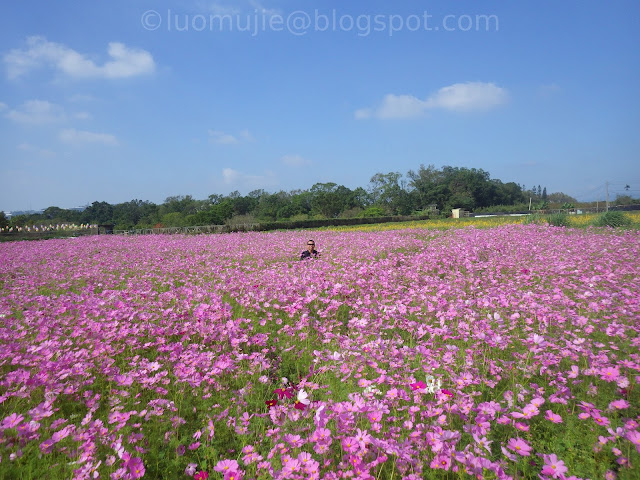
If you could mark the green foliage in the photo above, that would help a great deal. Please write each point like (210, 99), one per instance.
(516, 208)
(373, 212)
(4, 222)
(173, 219)
(559, 220)
(613, 219)
(387, 194)
(536, 219)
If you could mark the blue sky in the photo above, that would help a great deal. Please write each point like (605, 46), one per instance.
(111, 101)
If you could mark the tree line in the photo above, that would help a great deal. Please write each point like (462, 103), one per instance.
(415, 193)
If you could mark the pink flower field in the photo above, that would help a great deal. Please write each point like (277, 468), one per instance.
(505, 353)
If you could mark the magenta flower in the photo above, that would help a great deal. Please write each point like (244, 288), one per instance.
(418, 385)
(201, 475)
(284, 392)
(610, 374)
(620, 404)
(12, 421)
(600, 420)
(224, 466)
(237, 475)
(519, 446)
(350, 444)
(634, 437)
(136, 467)
(553, 466)
(552, 417)
(441, 462)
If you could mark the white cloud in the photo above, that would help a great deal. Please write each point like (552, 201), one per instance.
(295, 161)
(43, 152)
(82, 115)
(125, 62)
(471, 96)
(222, 138)
(242, 180)
(36, 112)
(468, 96)
(246, 136)
(80, 137)
(3, 106)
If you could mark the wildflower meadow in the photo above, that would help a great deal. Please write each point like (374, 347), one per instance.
(509, 352)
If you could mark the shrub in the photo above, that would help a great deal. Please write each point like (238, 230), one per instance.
(559, 220)
(374, 211)
(534, 219)
(613, 219)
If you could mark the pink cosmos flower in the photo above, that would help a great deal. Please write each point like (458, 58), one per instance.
(12, 421)
(224, 466)
(441, 461)
(190, 470)
(552, 417)
(136, 467)
(350, 445)
(600, 420)
(553, 466)
(519, 446)
(201, 475)
(610, 374)
(236, 475)
(509, 455)
(634, 437)
(619, 404)
(294, 440)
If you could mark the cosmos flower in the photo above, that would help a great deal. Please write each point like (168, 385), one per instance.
(519, 446)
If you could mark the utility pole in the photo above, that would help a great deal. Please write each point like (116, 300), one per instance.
(607, 190)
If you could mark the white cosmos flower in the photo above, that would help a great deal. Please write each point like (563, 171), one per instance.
(433, 385)
(303, 397)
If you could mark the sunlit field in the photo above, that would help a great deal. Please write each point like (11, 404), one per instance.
(508, 352)
(582, 220)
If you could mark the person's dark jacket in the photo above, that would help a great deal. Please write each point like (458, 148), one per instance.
(307, 254)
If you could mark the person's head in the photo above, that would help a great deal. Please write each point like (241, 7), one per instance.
(311, 245)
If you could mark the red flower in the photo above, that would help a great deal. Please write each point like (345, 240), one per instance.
(201, 476)
(271, 403)
(284, 392)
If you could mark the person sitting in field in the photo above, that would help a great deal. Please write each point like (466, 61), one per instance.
(310, 252)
